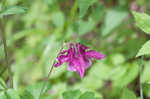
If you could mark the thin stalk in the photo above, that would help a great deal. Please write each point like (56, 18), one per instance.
(3, 70)
(141, 69)
(48, 76)
(4, 3)
(3, 35)
(72, 14)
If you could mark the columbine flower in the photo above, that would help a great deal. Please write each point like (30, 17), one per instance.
(78, 58)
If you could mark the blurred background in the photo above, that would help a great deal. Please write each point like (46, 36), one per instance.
(108, 26)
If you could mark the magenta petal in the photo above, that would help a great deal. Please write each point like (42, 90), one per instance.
(71, 68)
(61, 60)
(94, 54)
(78, 58)
(80, 66)
(82, 46)
(87, 63)
(80, 70)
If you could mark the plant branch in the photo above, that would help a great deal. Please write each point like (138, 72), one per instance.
(51, 69)
(3, 35)
(141, 69)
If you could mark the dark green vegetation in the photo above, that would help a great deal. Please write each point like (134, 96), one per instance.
(36, 29)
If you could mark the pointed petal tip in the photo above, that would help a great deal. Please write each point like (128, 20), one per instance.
(95, 54)
(81, 75)
(102, 56)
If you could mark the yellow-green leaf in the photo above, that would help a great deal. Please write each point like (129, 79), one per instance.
(142, 21)
(144, 50)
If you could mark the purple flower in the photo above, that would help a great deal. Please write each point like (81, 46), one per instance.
(78, 58)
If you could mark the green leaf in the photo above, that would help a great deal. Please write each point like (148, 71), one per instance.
(113, 19)
(76, 94)
(87, 95)
(97, 13)
(145, 77)
(116, 57)
(71, 94)
(85, 26)
(124, 74)
(0, 6)
(9, 94)
(127, 94)
(36, 88)
(44, 96)
(58, 19)
(12, 94)
(13, 10)
(145, 50)
(2, 84)
(95, 77)
(84, 5)
(3, 95)
(142, 21)
(26, 95)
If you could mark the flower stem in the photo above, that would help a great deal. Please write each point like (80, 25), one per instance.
(72, 15)
(141, 69)
(5, 51)
(3, 35)
(48, 76)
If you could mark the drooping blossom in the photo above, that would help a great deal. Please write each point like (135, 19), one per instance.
(78, 57)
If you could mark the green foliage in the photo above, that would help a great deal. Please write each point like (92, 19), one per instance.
(35, 38)
(97, 13)
(85, 27)
(35, 89)
(145, 78)
(142, 21)
(9, 94)
(87, 95)
(114, 17)
(76, 94)
(84, 5)
(145, 50)
(26, 95)
(10, 10)
(125, 74)
(0, 6)
(2, 84)
(58, 19)
(127, 94)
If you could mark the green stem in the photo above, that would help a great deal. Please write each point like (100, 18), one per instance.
(3, 70)
(71, 15)
(6, 52)
(51, 69)
(141, 69)
(3, 35)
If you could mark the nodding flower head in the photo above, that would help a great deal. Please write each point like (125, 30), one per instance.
(78, 58)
